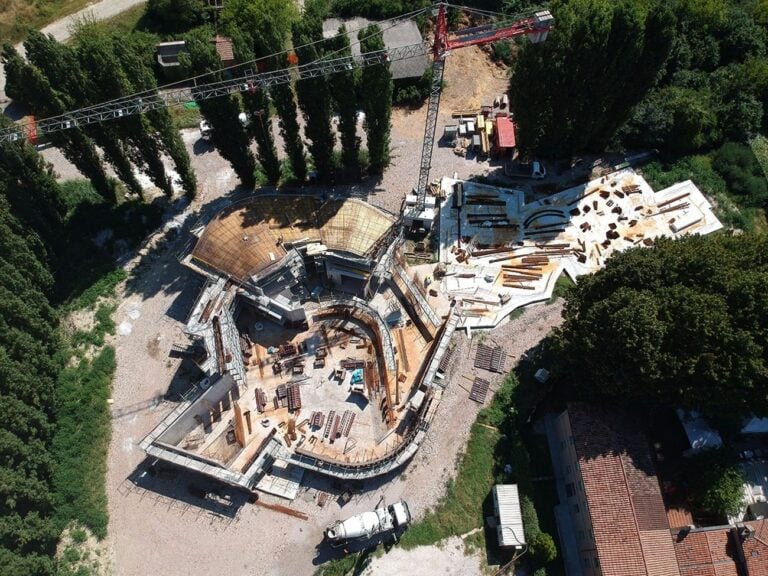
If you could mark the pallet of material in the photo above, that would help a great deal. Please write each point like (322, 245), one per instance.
(445, 361)
(294, 397)
(515, 278)
(522, 267)
(335, 429)
(479, 390)
(261, 400)
(523, 272)
(317, 420)
(329, 424)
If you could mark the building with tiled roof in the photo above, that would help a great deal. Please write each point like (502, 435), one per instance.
(611, 516)
(707, 552)
(723, 550)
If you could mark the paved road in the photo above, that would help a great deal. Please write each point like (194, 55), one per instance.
(61, 29)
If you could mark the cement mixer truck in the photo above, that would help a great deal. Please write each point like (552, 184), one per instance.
(394, 517)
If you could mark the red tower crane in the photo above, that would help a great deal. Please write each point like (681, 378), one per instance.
(536, 27)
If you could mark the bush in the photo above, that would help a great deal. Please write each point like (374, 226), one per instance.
(716, 482)
(502, 51)
(542, 548)
(742, 173)
(175, 16)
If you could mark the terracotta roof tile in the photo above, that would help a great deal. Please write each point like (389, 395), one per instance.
(709, 553)
(224, 48)
(628, 517)
(756, 549)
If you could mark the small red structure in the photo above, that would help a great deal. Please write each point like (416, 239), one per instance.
(225, 50)
(504, 136)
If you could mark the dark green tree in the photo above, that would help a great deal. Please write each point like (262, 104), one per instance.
(61, 67)
(684, 324)
(141, 78)
(256, 105)
(222, 113)
(175, 16)
(376, 87)
(107, 81)
(343, 88)
(28, 86)
(28, 343)
(717, 484)
(285, 104)
(572, 92)
(31, 190)
(314, 98)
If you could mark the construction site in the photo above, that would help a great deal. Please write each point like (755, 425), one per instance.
(323, 328)
(313, 340)
(327, 329)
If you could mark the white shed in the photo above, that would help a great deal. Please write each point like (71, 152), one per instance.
(509, 527)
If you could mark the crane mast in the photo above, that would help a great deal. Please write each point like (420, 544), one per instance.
(535, 27)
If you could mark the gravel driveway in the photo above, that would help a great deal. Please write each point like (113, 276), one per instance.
(61, 28)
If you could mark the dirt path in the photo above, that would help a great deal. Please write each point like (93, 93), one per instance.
(61, 28)
(448, 559)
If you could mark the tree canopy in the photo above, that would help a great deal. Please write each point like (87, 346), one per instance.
(572, 92)
(682, 324)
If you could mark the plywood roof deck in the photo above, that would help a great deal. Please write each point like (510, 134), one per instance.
(245, 238)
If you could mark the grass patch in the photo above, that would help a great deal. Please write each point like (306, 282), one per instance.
(89, 269)
(125, 21)
(562, 285)
(16, 16)
(81, 442)
(461, 509)
(185, 117)
(104, 286)
(353, 564)
(104, 325)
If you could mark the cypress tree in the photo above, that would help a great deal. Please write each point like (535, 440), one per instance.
(28, 86)
(256, 105)
(571, 93)
(62, 69)
(228, 134)
(142, 79)
(96, 53)
(315, 98)
(344, 94)
(282, 98)
(377, 87)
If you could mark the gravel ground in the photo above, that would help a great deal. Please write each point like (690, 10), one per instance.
(448, 559)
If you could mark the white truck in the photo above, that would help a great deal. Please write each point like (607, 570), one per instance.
(394, 517)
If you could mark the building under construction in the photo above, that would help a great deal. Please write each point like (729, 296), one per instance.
(319, 351)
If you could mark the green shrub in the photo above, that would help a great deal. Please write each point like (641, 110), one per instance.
(716, 482)
(542, 548)
(502, 51)
(743, 175)
(81, 441)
